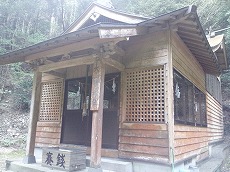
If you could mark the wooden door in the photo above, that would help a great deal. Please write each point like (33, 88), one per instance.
(77, 125)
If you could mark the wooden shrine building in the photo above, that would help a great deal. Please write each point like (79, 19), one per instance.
(128, 87)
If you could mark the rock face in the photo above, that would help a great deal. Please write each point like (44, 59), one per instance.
(13, 126)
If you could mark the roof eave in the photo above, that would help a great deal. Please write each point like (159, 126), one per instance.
(186, 20)
(73, 37)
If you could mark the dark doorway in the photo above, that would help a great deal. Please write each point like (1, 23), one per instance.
(77, 118)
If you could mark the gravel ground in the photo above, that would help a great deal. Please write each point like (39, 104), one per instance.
(226, 166)
(8, 153)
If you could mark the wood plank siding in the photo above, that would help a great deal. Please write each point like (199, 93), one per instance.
(185, 63)
(190, 140)
(48, 134)
(147, 51)
(215, 119)
(139, 138)
(143, 140)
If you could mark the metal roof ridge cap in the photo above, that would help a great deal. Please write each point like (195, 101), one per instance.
(121, 12)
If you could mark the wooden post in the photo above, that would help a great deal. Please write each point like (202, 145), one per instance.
(34, 113)
(97, 96)
(169, 100)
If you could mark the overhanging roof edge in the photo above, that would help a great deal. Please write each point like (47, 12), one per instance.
(213, 56)
(69, 38)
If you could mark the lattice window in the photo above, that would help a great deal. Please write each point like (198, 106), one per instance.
(145, 95)
(51, 101)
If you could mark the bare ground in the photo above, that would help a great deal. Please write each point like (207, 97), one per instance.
(9, 153)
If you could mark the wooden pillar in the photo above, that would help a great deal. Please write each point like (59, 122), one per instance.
(169, 100)
(34, 113)
(97, 96)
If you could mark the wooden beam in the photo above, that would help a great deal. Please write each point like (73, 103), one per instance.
(195, 43)
(97, 95)
(67, 63)
(187, 32)
(119, 51)
(57, 74)
(117, 32)
(9, 59)
(86, 44)
(207, 60)
(157, 29)
(34, 114)
(179, 19)
(188, 26)
(114, 63)
(193, 39)
(190, 29)
(198, 51)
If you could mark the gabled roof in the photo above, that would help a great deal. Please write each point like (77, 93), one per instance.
(188, 26)
(184, 21)
(97, 13)
(218, 46)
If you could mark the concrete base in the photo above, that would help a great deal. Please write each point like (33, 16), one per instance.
(95, 169)
(30, 159)
(218, 154)
(112, 164)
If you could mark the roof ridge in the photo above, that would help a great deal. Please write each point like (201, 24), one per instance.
(104, 7)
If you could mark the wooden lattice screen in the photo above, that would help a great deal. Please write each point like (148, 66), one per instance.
(51, 101)
(145, 95)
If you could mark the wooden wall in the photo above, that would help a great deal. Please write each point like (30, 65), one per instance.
(48, 134)
(150, 141)
(142, 140)
(185, 63)
(146, 51)
(48, 131)
(190, 140)
(215, 119)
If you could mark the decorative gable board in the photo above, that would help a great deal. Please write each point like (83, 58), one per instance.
(100, 19)
(99, 14)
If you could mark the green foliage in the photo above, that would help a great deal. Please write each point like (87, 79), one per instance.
(26, 22)
(9, 141)
(22, 85)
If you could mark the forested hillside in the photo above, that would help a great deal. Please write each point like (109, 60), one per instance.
(26, 22)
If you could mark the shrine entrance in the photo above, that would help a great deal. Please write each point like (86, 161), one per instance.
(77, 117)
